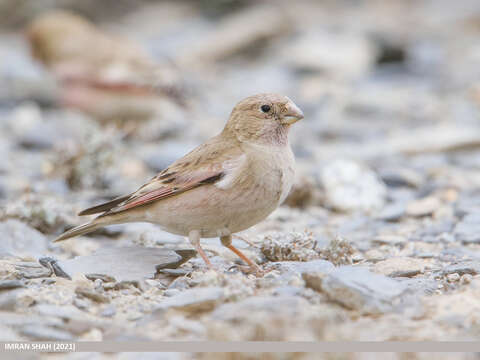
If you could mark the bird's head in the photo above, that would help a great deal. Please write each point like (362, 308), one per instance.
(59, 35)
(263, 118)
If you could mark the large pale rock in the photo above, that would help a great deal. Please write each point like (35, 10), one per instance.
(359, 289)
(350, 186)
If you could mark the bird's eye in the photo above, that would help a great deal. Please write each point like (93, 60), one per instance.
(265, 108)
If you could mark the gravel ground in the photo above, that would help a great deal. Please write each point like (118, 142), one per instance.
(379, 239)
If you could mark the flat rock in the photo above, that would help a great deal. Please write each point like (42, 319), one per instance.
(32, 270)
(19, 239)
(359, 289)
(400, 267)
(194, 300)
(10, 284)
(129, 264)
(422, 285)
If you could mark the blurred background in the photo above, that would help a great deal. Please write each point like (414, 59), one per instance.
(100, 96)
(96, 97)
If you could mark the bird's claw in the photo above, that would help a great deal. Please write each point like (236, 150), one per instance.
(248, 270)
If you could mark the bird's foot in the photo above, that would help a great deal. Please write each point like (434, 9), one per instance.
(249, 270)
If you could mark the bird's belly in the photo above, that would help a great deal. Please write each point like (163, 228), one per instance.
(212, 211)
(222, 210)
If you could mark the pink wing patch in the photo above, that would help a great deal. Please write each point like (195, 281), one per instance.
(164, 191)
(149, 197)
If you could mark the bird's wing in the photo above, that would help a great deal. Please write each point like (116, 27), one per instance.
(206, 164)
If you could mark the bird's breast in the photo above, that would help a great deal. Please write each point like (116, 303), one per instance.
(275, 174)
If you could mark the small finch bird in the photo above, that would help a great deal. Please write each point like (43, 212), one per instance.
(226, 185)
(104, 75)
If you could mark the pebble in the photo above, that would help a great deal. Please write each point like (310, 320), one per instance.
(171, 292)
(423, 207)
(401, 177)
(81, 303)
(392, 212)
(287, 305)
(92, 295)
(109, 311)
(194, 300)
(400, 267)
(453, 277)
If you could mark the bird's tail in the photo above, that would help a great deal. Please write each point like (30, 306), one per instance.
(78, 230)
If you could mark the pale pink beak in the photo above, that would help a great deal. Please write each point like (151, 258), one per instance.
(292, 115)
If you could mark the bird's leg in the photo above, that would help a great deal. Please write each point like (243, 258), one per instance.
(194, 238)
(244, 239)
(227, 242)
